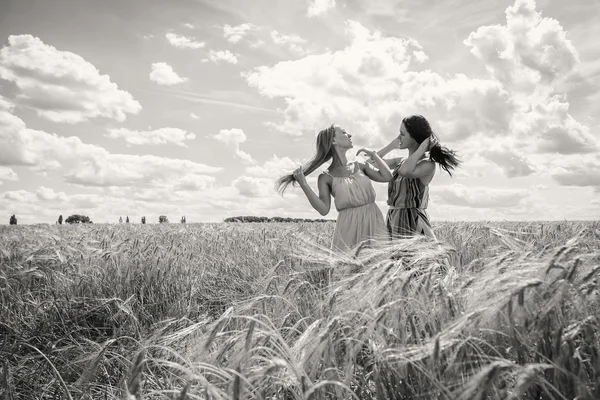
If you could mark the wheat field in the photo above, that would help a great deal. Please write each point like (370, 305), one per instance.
(494, 310)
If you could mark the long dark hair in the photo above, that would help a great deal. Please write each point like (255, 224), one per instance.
(324, 154)
(419, 129)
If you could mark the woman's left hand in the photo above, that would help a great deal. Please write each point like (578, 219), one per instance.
(368, 153)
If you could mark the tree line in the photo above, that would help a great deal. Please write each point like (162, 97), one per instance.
(84, 219)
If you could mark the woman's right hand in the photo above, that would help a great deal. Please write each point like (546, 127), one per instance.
(299, 176)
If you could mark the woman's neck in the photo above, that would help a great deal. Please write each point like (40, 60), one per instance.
(339, 159)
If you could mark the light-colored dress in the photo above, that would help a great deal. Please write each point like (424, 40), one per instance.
(359, 218)
(408, 199)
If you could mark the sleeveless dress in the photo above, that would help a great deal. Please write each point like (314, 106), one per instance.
(359, 218)
(408, 199)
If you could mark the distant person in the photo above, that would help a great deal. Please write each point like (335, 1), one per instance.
(359, 218)
(408, 190)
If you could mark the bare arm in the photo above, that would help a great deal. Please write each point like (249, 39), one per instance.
(391, 162)
(383, 174)
(412, 168)
(322, 202)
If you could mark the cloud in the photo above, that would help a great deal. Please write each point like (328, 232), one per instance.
(512, 164)
(194, 116)
(222, 55)
(480, 197)
(253, 187)
(526, 52)
(183, 42)
(86, 164)
(293, 42)
(7, 174)
(578, 171)
(233, 138)
(420, 56)
(368, 85)
(48, 194)
(195, 183)
(6, 104)
(319, 7)
(273, 168)
(234, 34)
(156, 137)
(189, 26)
(532, 58)
(59, 85)
(163, 74)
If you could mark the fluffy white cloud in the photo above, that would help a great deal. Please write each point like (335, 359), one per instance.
(319, 7)
(48, 194)
(6, 104)
(217, 56)
(183, 42)
(7, 174)
(526, 52)
(250, 186)
(195, 182)
(273, 168)
(293, 42)
(481, 197)
(371, 83)
(532, 58)
(577, 171)
(194, 116)
(233, 138)
(59, 85)
(367, 86)
(234, 34)
(163, 74)
(87, 164)
(156, 137)
(512, 164)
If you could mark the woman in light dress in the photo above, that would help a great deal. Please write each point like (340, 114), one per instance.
(359, 218)
(408, 190)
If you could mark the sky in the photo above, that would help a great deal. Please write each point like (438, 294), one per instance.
(194, 107)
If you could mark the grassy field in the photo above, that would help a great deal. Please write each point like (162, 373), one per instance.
(262, 311)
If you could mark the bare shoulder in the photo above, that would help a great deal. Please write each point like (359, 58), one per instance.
(324, 178)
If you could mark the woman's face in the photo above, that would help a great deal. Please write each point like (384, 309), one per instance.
(405, 141)
(342, 138)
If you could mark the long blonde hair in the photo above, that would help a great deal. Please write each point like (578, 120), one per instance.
(324, 153)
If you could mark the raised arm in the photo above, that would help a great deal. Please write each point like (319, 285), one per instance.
(322, 202)
(391, 162)
(412, 168)
(383, 174)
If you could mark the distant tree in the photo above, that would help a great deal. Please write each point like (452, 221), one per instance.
(78, 219)
(163, 219)
(60, 219)
(143, 220)
(183, 219)
(127, 220)
(13, 220)
(120, 220)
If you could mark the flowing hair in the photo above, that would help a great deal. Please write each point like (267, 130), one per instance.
(324, 154)
(418, 127)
